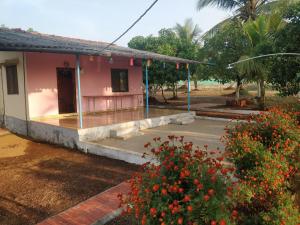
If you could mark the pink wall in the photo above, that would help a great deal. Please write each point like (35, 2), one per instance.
(95, 81)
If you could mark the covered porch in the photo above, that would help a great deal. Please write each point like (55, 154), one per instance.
(97, 119)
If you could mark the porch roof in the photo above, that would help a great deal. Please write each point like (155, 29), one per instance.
(19, 40)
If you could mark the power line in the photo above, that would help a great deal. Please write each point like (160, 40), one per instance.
(128, 29)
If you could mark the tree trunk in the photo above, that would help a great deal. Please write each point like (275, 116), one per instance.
(238, 88)
(262, 94)
(174, 90)
(195, 84)
(258, 89)
(163, 94)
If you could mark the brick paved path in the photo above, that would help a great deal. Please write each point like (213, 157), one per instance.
(97, 209)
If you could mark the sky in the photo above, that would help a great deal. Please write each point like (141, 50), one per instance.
(104, 20)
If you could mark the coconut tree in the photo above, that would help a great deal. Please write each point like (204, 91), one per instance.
(243, 9)
(189, 35)
(188, 31)
(261, 34)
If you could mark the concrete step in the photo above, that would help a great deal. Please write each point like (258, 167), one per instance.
(187, 121)
(130, 135)
(183, 120)
(123, 131)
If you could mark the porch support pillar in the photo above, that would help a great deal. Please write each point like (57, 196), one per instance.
(79, 90)
(189, 87)
(147, 91)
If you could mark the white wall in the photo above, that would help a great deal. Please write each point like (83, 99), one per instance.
(1, 97)
(14, 104)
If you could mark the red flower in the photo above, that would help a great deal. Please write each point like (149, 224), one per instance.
(224, 171)
(187, 198)
(213, 179)
(164, 192)
(206, 198)
(180, 220)
(234, 213)
(147, 145)
(222, 222)
(153, 212)
(211, 192)
(211, 171)
(213, 222)
(190, 208)
(200, 186)
(155, 187)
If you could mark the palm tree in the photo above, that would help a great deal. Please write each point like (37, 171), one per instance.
(261, 33)
(243, 9)
(189, 31)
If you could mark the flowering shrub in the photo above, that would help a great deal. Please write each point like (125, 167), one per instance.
(186, 186)
(266, 154)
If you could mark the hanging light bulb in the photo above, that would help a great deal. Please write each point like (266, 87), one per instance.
(131, 62)
(91, 58)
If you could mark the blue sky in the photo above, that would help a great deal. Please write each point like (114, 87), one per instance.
(103, 19)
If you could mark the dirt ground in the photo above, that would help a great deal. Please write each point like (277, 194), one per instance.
(208, 98)
(40, 180)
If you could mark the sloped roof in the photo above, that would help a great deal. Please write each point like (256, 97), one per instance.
(19, 40)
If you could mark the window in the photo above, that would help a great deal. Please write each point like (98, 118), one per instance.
(12, 80)
(119, 80)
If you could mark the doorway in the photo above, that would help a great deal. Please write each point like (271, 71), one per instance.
(66, 90)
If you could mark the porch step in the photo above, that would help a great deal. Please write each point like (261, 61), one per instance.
(123, 132)
(183, 120)
(130, 135)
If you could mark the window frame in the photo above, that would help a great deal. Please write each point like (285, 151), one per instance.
(12, 79)
(119, 71)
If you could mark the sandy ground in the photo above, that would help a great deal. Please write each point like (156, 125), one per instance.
(40, 180)
(200, 132)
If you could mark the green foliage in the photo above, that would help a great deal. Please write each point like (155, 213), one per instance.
(265, 151)
(285, 71)
(225, 47)
(186, 187)
(179, 42)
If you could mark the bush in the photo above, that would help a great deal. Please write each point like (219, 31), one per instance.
(276, 131)
(265, 151)
(186, 187)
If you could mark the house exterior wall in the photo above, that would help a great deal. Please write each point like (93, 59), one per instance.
(14, 106)
(95, 83)
(1, 99)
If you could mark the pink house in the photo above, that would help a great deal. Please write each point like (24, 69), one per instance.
(66, 81)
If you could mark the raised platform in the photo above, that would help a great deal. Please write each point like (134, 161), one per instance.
(77, 138)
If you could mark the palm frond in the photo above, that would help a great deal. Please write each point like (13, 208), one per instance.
(224, 4)
(211, 32)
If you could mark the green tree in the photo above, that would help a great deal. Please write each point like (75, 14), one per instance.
(261, 35)
(161, 74)
(225, 47)
(285, 71)
(181, 41)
